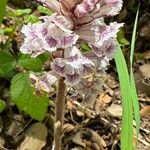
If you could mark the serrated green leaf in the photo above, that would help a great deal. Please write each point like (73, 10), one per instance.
(7, 63)
(44, 10)
(127, 114)
(2, 106)
(2, 9)
(23, 95)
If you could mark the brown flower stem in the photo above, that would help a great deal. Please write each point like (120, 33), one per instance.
(59, 114)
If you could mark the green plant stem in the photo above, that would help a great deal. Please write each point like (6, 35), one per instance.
(59, 114)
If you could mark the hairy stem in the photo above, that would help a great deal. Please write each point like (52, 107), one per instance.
(59, 114)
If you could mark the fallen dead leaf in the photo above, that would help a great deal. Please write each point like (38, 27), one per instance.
(147, 55)
(35, 137)
(69, 105)
(68, 127)
(145, 111)
(105, 98)
(145, 70)
(115, 110)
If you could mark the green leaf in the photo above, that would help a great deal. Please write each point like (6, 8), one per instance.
(7, 63)
(2, 9)
(133, 87)
(2, 106)
(127, 114)
(44, 10)
(121, 38)
(84, 47)
(28, 63)
(31, 19)
(24, 96)
(20, 12)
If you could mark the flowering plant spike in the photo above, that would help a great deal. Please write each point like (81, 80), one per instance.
(74, 22)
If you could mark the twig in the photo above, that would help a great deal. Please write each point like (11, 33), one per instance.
(59, 114)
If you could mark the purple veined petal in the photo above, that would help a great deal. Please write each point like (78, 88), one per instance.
(63, 22)
(85, 7)
(73, 79)
(50, 77)
(110, 7)
(114, 27)
(90, 17)
(69, 40)
(34, 48)
(98, 33)
(97, 50)
(51, 43)
(29, 30)
(102, 9)
(58, 66)
(107, 49)
(71, 52)
(70, 4)
(69, 70)
(44, 82)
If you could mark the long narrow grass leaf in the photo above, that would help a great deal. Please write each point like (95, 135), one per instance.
(132, 82)
(127, 114)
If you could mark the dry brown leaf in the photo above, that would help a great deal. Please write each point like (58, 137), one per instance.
(69, 105)
(145, 111)
(106, 99)
(115, 110)
(145, 70)
(142, 86)
(35, 137)
(147, 55)
(67, 127)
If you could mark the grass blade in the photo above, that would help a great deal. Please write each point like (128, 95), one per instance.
(132, 82)
(127, 114)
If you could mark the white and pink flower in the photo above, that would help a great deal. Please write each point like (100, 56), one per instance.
(74, 21)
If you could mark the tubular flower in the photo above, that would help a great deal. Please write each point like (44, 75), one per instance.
(73, 66)
(74, 21)
(50, 35)
(44, 82)
(84, 11)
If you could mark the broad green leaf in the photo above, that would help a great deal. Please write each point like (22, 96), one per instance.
(28, 63)
(44, 10)
(2, 9)
(24, 96)
(133, 87)
(127, 114)
(2, 106)
(34, 64)
(7, 63)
